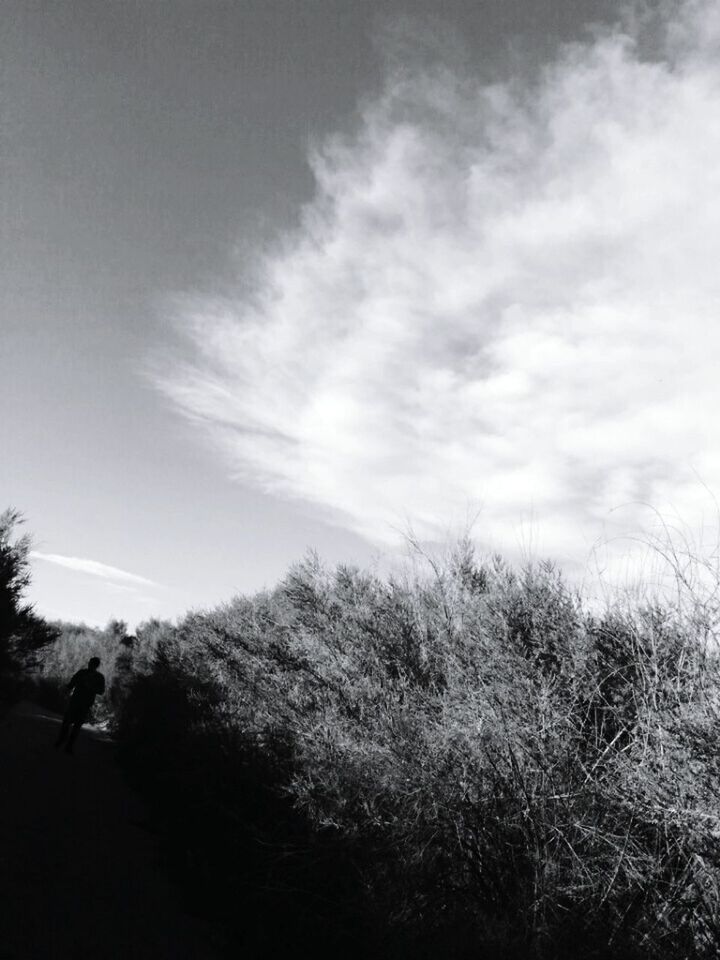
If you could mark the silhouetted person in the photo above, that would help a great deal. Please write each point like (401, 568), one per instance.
(85, 686)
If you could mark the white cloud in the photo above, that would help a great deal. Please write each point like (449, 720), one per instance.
(95, 569)
(505, 295)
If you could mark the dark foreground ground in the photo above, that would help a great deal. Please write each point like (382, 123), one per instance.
(80, 875)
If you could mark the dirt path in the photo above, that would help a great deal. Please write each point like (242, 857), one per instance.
(79, 876)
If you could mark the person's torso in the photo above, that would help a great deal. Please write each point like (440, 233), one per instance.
(88, 683)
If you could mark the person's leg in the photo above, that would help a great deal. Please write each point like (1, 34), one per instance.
(64, 730)
(74, 734)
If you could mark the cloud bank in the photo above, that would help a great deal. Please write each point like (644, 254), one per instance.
(114, 575)
(503, 296)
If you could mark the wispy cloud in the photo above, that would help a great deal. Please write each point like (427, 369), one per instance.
(114, 575)
(504, 295)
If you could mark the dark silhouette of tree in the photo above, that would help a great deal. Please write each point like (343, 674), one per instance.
(124, 662)
(22, 632)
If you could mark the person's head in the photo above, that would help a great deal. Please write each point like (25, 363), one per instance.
(94, 663)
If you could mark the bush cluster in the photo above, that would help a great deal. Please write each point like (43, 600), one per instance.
(469, 763)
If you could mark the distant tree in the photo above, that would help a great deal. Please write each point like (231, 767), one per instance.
(22, 632)
(124, 661)
(116, 632)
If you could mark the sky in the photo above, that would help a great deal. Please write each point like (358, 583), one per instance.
(290, 275)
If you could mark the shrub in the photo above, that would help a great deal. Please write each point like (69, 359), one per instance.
(435, 765)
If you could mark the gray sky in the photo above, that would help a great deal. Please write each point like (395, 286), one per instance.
(290, 274)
